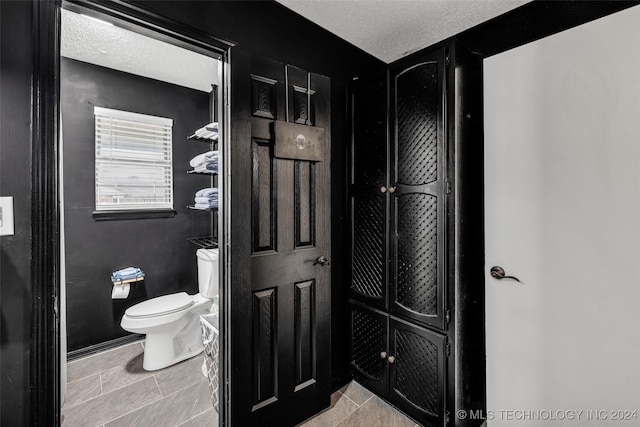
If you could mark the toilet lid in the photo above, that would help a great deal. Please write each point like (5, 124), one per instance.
(159, 306)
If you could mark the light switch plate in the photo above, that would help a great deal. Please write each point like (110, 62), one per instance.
(6, 216)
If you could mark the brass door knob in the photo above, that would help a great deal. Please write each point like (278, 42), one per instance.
(383, 355)
(392, 189)
(383, 189)
(391, 359)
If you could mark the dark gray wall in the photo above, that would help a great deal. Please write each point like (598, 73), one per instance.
(15, 180)
(96, 248)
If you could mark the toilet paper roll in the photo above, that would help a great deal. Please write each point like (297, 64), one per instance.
(120, 291)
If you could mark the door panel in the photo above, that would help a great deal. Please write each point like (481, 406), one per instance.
(417, 254)
(562, 202)
(418, 371)
(290, 315)
(369, 340)
(368, 204)
(418, 193)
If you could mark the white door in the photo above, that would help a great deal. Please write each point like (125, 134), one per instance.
(562, 213)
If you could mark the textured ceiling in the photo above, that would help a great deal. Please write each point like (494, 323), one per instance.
(113, 47)
(391, 29)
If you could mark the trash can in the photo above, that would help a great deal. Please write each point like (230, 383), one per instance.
(210, 339)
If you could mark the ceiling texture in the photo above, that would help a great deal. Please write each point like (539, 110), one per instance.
(98, 43)
(392, 29)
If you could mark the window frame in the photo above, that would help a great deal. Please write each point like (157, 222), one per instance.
(145, 212)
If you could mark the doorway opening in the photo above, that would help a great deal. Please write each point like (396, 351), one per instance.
(143, 131)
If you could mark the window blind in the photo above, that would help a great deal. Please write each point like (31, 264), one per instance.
(134, 167)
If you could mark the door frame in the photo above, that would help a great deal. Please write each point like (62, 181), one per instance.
(45, 358)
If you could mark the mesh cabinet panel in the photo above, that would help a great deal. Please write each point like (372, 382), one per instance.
(417, 253)
(417, 104)
(417, 370)
(368, 246)
(368, 340)
(369, 134)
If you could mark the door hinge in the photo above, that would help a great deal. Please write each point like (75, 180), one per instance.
(447, 417)
(447, 317)
(447, 349)
(448, 187)
(447, 60)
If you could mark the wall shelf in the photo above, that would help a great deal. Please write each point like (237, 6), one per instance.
(195, 172)
(205, 242)
(204, 210)
(207, 140)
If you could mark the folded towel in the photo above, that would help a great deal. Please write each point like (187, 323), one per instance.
(127, 273)
(128, 270)
(206, 192)
(128, 277)
(209, 131)
(205, 206)
(202, 158)
(206, 200)
(211, 167)
(207, 135)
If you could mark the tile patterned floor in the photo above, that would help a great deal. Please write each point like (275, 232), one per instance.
(355, 406)
(111, 389)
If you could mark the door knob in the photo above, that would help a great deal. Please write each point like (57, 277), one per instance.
(497, 272)
(383, 189)
(391, 359)
(392, 189)
(322, 261)
(383, 355)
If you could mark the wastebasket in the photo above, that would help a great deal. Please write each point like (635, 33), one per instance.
(210, 339)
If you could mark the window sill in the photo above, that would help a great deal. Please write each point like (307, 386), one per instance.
(122, 215)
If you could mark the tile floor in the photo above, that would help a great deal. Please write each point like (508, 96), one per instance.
(111, 389)
(355, 406)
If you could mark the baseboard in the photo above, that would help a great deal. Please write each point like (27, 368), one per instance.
(108, 345)
(340, 381)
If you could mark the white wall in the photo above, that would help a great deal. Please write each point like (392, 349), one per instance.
(562, 204)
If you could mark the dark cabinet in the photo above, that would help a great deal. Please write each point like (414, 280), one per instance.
(415, 192)
(401, 361)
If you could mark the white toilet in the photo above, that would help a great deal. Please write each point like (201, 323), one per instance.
(172, 322)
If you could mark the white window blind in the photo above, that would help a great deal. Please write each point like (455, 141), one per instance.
(133, 161)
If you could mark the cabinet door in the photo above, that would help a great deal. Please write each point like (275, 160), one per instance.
(368, 191)
(369, 347)
(418, 202)
(417, 373)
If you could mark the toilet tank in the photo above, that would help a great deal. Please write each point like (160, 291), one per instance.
(208, 272)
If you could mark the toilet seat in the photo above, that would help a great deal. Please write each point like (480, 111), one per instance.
(160, 306)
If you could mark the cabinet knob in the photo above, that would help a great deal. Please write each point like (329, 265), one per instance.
(383, 355)
(392, 189)
(391, 359)
(383, 189)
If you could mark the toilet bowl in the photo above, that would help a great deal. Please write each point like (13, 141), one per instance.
(171, 323)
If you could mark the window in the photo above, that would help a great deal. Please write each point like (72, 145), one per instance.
(133, 161)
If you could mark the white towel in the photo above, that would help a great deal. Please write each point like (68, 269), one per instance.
(205, 200)
(207, 192)
(201, 158)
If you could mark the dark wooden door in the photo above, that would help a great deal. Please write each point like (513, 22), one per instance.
(289, 320)
(417, 362)
(418, 205)
(368, 196)
(369, 347)
(404, 363)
